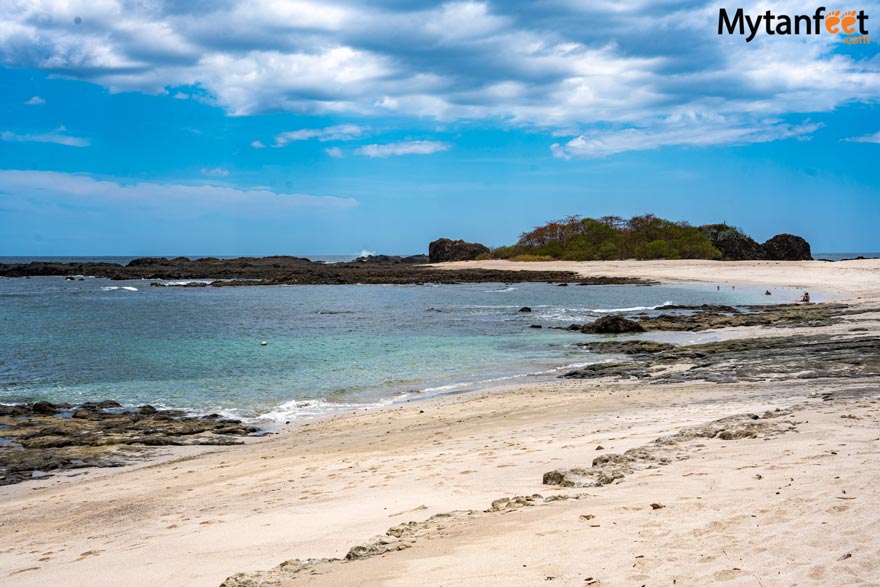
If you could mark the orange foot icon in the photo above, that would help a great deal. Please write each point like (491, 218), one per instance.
(832, 19)
(848, 22)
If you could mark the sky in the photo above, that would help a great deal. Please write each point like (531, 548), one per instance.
(233, 127)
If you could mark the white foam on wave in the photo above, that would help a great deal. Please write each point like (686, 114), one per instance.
(115, 287)
(462, 385)
(300, 409)
(633, 309)
(503, 290)
(185, 282)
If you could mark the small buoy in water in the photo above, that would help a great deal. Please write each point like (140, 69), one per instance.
(264, 343)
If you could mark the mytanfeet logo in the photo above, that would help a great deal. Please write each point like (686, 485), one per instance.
(850, 25)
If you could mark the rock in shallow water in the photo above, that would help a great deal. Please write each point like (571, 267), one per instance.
(102, 434)
(615, 324)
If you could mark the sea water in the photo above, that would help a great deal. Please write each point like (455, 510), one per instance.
(329, 348)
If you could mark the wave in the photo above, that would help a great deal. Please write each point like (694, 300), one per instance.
(633, 309)
(464, 385)
(184, 282)
(503, 290)
(115, 287)
(299, 409)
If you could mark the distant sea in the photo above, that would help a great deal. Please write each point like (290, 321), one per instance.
(329, 348)
(842, 256)
(124, 260)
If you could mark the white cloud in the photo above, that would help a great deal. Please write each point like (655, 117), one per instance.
(341, 132)
(689, 131)
(215, 172)
(564, 64)
(874, 138)
(203, 199)
(57, 136)
(35, 101)
(334, 152)
(402, 148)
(258, 145)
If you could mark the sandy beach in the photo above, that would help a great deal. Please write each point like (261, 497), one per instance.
(787, 498)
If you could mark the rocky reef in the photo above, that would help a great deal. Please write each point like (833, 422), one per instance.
(751, 359)
(38, 439)
(706, 317)
(245, 271)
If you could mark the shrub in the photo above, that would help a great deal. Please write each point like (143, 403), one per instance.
(612, 237)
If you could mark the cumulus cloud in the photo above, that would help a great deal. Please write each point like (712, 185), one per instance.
(334, 152)
(82, 189)
(874, 138)
(35, 101)
(258, 145)
(57, 136)
(341, 132)
(551, 65)
(402, 148)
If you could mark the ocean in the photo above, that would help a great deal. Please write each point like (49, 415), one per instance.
(329, 348)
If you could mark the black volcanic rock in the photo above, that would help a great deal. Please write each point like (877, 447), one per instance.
(444, 250)
(615, 324)
(35, 443)
(733, 244)
(787, 247)
(392, 259)
(244, 271)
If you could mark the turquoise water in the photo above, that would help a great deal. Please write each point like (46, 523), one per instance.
(329, 347)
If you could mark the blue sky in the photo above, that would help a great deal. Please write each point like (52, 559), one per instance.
(303, 127)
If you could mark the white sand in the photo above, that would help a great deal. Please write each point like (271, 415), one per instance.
(845, 279)
(324, 486)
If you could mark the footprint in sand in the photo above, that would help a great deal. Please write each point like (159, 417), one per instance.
(726, 574)
(88, 553)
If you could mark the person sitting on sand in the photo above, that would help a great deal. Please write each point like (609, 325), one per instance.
(806, 298)
(767, 293)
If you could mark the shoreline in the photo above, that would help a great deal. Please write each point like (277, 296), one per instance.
(832, 278)
(324, 485)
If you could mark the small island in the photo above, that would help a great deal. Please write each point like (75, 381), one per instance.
(647, 237)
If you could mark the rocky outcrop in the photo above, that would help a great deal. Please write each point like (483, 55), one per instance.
(615, 324)
(733, 244)
(444, 251)
(787, 247)
(736, 246)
